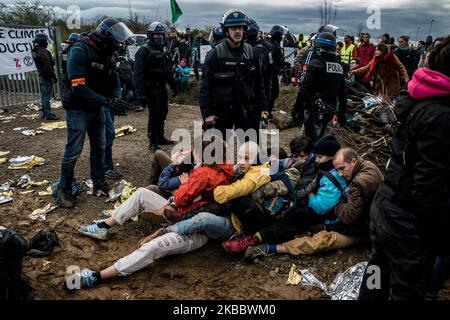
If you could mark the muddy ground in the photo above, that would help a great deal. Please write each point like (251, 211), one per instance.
(208, 273)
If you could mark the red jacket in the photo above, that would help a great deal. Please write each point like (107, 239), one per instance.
(366, 53)
(202, 182)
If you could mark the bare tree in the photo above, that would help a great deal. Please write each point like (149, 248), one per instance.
(328, 11)
(33, 13)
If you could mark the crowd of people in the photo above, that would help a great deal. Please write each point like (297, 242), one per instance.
(319, 196)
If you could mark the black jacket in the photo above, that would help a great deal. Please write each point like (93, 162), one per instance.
(44, 62)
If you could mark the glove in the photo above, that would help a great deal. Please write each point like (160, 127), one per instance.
(119, 106)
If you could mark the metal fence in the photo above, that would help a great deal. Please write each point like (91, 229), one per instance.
(23, 88)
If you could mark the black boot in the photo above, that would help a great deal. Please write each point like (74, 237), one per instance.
(154, 146)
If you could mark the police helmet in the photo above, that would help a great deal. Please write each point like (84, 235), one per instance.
(218, 34)
(277, 32)
(114, 29)
(234, 18)
(326, 42)
(328, 28)
(253, 25)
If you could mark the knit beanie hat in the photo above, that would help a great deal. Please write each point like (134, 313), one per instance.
(327, 146)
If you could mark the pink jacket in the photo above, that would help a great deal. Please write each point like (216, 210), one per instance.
(427, 83)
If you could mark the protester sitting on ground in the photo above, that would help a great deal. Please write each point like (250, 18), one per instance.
(364, 178)
(194, 193)
(385, 70)
(315, 204)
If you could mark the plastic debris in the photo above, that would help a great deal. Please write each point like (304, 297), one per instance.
(55, 104)
(370, 102)
(53, 125)
(344, 287)
(26, 192)
(23, 181)
(3, 160)
(7, 118)
(116, 192)
(108, 212)
(8, 193)
(124, 130)
(38, 183)
(42, 213)
(19, 128)
(4, 153)
(293, 277)
(26, 162)
(6, 186)
(31, 116)
(5, 199)
(47, 192)
(32, 106)
(32, 132)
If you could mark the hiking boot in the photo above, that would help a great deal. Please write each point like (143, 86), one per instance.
(165, 141)
(239, 245)
(254, 252)
(153, 147)
(94, 231)
(139, 109)
(155, 217)
(152, 236)
(87, 279)
(50, 117)
(66, 200)
(112, 174)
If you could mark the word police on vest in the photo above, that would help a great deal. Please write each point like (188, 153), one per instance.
(333, 67)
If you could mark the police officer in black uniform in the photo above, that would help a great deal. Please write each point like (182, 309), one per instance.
(152, 72)
(277, 64)
(320, 88)
(263, 50)
(232, 91)
(91, 83)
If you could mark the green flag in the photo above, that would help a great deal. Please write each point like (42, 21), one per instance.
(176, 11)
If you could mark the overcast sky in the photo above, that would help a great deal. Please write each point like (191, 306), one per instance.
(397, 16)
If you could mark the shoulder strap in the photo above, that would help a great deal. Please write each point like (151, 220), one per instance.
(333, 180)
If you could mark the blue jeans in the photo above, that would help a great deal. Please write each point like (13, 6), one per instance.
(46, 94)
(213, 226)
(78, 123)
(110, 134)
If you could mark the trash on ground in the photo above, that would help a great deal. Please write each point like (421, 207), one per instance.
(5, 199)
(344, 287)
(293, 277)
(6, 186)
(116, 192)
(19, 128)
(55, 104)
(3, 160)
(26, 162)
(90, 185)
(47, 192)
(42, 212)
(32, 106)
(7, 193)
(32, 132)
(23, 181)
(27, 191)
(124, 130)
(4, 153)
(38, 183)
(53, 125)
(31, 116)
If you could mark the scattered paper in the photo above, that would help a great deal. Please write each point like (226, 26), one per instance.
(6, 186)
(47, 192)
(38, 183)
(26, 192)
(32, 106)
(23, 181)
(55, 104)
(293, 277)
(5, 199)
(19, 128)
(3, 160)
(125, 130)
(42, 213)
(53, 125)
(3, 153)
(32, 132)
(31, 116)
(26, 162)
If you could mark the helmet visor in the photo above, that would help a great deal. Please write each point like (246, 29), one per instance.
(121, 33)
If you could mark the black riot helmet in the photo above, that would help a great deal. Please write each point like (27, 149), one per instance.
(328, 28)
(111, 29)
(325, 42)
(253, 29)
(233, 18)
(276, 33)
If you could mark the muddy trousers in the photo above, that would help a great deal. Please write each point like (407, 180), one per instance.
(400, 259)
(165, 245)
(142, 200)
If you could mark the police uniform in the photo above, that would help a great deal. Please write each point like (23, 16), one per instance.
(321, 84)
(152, 72)
(232, 87)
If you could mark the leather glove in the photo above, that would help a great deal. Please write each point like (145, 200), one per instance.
(119, 106)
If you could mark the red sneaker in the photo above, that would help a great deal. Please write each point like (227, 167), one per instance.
(239, 245)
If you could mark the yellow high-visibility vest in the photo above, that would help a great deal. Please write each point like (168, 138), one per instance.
(346, 54)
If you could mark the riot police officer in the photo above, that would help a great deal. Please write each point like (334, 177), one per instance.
(92, 84)
(232, 92)
(152, 72)
(263, 50)
(216, 36)
(277, 64)
(322, 84)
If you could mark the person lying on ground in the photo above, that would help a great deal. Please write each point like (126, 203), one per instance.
(364, 178)
(194, 193)
(315, 204)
